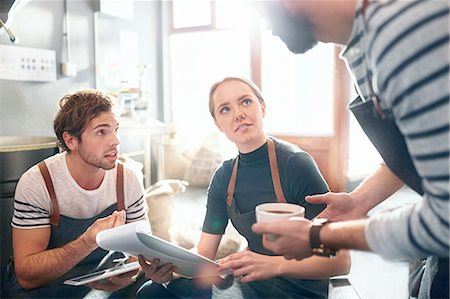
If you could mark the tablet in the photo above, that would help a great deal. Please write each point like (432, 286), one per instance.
(102, 274)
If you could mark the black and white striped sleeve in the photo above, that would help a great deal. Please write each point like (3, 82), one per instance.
(410, 55)
(31, 202)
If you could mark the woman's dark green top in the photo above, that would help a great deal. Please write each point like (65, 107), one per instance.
(299, 176)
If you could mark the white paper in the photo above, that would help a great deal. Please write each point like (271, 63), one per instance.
(135, 239)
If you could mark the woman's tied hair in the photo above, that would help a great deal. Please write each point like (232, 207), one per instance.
(77, 109)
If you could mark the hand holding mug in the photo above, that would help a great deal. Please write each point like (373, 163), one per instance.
(273, 212)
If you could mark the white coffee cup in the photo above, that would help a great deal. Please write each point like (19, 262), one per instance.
(272, 212)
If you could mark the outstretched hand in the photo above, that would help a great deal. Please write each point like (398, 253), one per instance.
(292, 237)
(340, 206)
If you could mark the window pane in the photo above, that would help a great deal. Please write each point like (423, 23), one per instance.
(233, 14)
(298, 88)
(198, 59)
(363, 158)
(191, 13)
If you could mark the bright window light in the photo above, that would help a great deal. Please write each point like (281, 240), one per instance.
(298, 88)
(198, 59)
(191, 13)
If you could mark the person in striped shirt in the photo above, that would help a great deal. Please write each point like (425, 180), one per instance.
(398, 54)
(62, 203)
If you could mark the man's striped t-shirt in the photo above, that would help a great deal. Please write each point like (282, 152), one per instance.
(401, 50)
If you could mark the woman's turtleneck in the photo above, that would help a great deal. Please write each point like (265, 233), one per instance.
(258, 154)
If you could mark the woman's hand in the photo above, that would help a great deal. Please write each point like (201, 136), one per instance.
(115, 283)
(251, 266)
(156, 272)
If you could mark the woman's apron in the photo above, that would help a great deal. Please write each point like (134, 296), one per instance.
(64, 230)
(279, 286)
(384, 134)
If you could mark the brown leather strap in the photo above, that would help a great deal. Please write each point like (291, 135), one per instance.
(232, 182)
(274, 170)
(119, 188)
(54, 220)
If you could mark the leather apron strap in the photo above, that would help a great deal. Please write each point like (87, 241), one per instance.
(232, 183)
(51, 191)
(119, 188)
(273, 170)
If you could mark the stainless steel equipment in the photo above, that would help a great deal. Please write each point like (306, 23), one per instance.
(17, 154)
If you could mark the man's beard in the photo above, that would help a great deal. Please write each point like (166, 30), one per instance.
(296, 31)
(94, 161)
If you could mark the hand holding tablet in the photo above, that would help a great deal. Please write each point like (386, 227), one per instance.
(102, 274)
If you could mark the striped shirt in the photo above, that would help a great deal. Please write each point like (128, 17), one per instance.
(32, 204)
(401, 49)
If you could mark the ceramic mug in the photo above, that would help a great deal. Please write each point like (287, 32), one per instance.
(272, 212)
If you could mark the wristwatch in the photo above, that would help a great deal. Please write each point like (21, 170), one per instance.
(314, 239)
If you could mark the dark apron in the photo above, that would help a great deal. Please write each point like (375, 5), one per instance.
(68, 230)
(384, 134)
(278, 286)
(64, 230)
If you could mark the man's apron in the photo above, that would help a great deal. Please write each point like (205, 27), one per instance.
(276, 287)
(64, 230)
(390, 143)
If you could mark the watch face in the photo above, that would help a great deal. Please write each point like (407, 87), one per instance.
(321, 221)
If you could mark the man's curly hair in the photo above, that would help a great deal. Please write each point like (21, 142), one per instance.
(76, 111)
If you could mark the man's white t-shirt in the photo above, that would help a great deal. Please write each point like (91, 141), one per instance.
(32, 203)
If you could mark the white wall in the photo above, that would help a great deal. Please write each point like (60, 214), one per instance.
(27, 108)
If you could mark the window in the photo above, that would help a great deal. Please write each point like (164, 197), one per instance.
(214, 41)
(198, 59)
(298, 88)
(206, 45)
(363, 157)
(191, 13)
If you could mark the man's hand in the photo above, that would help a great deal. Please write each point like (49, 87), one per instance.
(340, 206)
(113, 220)
(292, 237)
(156, 272)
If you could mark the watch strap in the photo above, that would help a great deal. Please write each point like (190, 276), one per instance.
(314, 235)
(317, 247)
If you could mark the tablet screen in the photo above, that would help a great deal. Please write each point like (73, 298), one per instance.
(102, 274)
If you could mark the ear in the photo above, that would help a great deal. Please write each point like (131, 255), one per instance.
(218, 126)
(263, 109)
(70, 141)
